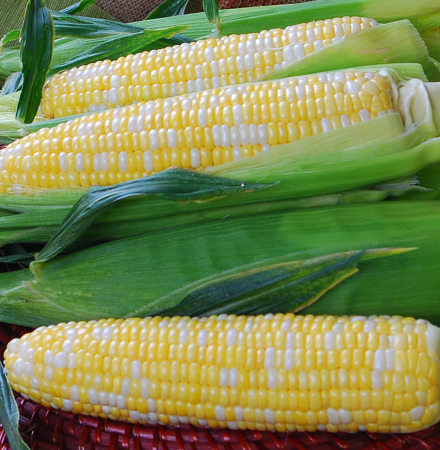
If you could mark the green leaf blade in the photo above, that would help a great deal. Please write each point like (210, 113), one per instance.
(78, 7)
(36, 55)
(211, 10)
(119, 46)
(9, 415)
(174, 184)
(168, 8)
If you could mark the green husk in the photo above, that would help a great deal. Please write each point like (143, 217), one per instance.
(36, 55)
(9, 414)
(161, 268)
(397, 42)
(40, 224)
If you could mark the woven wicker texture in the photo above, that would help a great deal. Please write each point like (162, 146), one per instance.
(135, 10)
(47, 429)
(225, 4)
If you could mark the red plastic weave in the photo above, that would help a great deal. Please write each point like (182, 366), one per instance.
(225, 4)
(46, 429)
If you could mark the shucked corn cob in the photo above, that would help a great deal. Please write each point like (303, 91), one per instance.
(189, 68)
(282, 372)
(194, 130)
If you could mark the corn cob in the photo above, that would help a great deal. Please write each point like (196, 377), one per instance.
(282, 372)
(194, 131)
(188, 68)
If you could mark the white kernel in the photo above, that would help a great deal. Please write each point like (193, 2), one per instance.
(333, 417)
(48, 357)
(249, 62)
(104, 161)
(215, 68)
(67, 405)
(260, 44)
(364, 115)
(115, 81)
(265, 148)
(202, 117)
(318, 45)
(183, 336)
(389, 358)
(352, 88)
(345, 416)
(329, 341)
(326, 126)
(355, 27)
(209, 54)
(299, 51)
(136, 369)
(62, 159)
(196, 159)
(214, 101)
(27, 368)
(417, 413)
(369, 326)
(220, 413)
(79, 162)
(233, 377)
(71, 361)
(60, 360)
(172, 138)
(173, 89)
(250, 44)
(191, 86)
(121, 402)
(154, 139)
(96, 162)
(82, 129)
(241, 66)
(293, 37)
(202, 337)
(113, 96)
(225, 136)
(379, 360)
(310, 34)
(93, 396)
(123, 162)
(345, 120)
(215, 82)
(132, 124)
(269, 415)
(231, 337)
(253, 134)
(237, 112)
(103, 398)
(29, 355)
(262, 134)
(116, 122)
(238, 411)
(269, 358)
(244, 134)
(235, 136)
(67, 346)
(224, 377)
(151, 403)
(248, 326)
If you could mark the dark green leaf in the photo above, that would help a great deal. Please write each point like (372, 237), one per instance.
(277, 288)
(211, 10)
(36, 55)
(168, 8)
(13, 83)
(21, 258)
(88, 27)
(174, 184)
(119, 46)
(78, 7)
(11, 36)
(9, 414)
